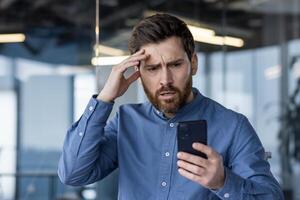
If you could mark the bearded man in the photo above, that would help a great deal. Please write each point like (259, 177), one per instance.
(141, 139)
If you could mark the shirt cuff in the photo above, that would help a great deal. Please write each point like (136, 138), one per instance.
(98, 110)
(232, 186)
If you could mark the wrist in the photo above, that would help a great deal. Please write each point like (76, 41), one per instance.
(105, 98)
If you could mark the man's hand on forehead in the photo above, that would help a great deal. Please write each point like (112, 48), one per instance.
(117, 84)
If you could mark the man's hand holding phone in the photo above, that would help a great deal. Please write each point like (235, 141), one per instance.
(117, 84)
(207, 172)
(197, 161)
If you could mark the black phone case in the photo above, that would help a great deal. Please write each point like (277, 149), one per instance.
(189, 132)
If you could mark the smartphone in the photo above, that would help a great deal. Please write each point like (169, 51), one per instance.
(189, 132)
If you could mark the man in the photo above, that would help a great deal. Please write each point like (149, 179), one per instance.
(141, 139)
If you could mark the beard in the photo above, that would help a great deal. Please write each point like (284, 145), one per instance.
(170, 105)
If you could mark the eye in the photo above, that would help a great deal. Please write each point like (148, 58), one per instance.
(151, 69)
(176, 64)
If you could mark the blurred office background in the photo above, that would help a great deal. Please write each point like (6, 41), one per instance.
(249, 61)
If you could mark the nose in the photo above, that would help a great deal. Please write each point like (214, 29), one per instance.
(166, 77)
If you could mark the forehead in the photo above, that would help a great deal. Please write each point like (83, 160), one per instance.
(166, 50)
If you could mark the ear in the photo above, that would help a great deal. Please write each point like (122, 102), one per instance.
(194, 63)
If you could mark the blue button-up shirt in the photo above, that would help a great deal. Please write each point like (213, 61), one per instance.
(142, 143)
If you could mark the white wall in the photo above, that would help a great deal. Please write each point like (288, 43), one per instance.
(7, 143)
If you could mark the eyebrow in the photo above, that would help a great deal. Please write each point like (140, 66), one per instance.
(168, 64)
(153, 65)
(175, 61)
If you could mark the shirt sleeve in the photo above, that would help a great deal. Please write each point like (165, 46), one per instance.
(248, 174)
(90, 147)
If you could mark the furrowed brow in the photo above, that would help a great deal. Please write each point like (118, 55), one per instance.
(153, 65)
(175, 61)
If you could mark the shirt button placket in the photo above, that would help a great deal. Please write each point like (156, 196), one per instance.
(166, 173)
(164, 183)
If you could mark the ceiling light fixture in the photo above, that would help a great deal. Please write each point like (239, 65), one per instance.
(219, 40)
(12, 38)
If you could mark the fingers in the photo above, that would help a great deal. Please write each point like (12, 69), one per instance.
(189, 175)
(199, 161)
(191, 167)
(126, 64)
(129, 63)
(133, 60)
(207, 172)
(141, 51)
(211, 154)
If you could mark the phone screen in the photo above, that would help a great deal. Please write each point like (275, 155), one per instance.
(189, 132)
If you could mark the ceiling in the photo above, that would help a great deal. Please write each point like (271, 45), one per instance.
(73, 20)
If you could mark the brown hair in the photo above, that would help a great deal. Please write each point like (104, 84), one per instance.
(159, 27)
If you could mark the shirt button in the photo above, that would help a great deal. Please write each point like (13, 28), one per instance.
(226, 195)
(172, 125)
(80, 134)
(164, 184)
(91, 108)
(167, 154)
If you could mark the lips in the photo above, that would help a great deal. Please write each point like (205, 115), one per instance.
(167, 95)
(169, 92)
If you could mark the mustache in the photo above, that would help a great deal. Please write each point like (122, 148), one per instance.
(167, 88)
